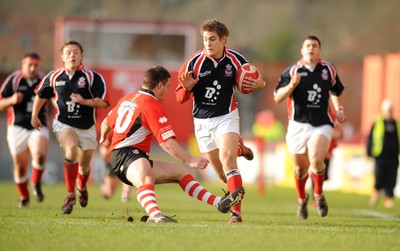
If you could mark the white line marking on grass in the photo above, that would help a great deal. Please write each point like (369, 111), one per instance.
(379, 215)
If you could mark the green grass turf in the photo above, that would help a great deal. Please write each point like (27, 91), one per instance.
(269, 223)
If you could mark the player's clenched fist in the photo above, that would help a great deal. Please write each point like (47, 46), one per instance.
(294, 82)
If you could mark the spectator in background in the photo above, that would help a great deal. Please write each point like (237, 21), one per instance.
(78, 92)
(209, 77)
(309, 86)
(383, 145)
(17, 94)
(267, 128)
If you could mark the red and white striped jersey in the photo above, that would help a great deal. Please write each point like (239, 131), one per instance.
(135, 119)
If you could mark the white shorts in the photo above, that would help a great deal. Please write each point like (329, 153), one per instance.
(299, 133)
(18, 137)
(86, 137)
(208, 130)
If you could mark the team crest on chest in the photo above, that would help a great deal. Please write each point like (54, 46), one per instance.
(228, 70)
(81, 82)
(324, 74)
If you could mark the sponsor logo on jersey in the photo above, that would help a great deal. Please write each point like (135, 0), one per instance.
(162, 120)
(324, 74)
(303, 74)
(81, 82)
(60, 83)
(22, 88)
(167, 134)
(127, 104)
(203, 74)
(228, 70)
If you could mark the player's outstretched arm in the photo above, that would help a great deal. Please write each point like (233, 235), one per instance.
(173, 148)
(186, 83)
(104, 130)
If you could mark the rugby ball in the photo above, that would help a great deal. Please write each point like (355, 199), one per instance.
(247, 70)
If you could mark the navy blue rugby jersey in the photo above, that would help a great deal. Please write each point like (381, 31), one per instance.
(85, 82)
(309, 102)
(21, 113)
(213, 95)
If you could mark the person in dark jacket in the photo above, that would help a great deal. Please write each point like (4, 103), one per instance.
(383, 145)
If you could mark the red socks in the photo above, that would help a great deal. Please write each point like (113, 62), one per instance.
(318, 182)
(301, 186)
(82, 180)
(70, 174)
(234, 181)
(22, 187)
(37, 172)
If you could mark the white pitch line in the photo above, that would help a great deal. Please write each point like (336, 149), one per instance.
(379, 215)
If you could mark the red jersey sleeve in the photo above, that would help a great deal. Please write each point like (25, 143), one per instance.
(112, 117)
(155, 119)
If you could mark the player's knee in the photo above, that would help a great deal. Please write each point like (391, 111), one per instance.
(300, 172)
(71, 152)
(317, 162)
(41, 159)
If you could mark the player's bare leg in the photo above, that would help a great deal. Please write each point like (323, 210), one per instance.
(168, 172)
(215, 162)
(84, 160)
(69, 142)
(228, 143)
(301, 164)
(318, 146)
(38, 147)
(20, 162)
(142, 176)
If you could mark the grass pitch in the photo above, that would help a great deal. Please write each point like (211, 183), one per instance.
(269, 223)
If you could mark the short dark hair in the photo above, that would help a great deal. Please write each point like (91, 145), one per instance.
(33, 55)
(215, 26)
(71, 42)
(155, 75)
(315, 38)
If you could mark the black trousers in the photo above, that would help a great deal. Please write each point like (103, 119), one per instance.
(386, 175)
